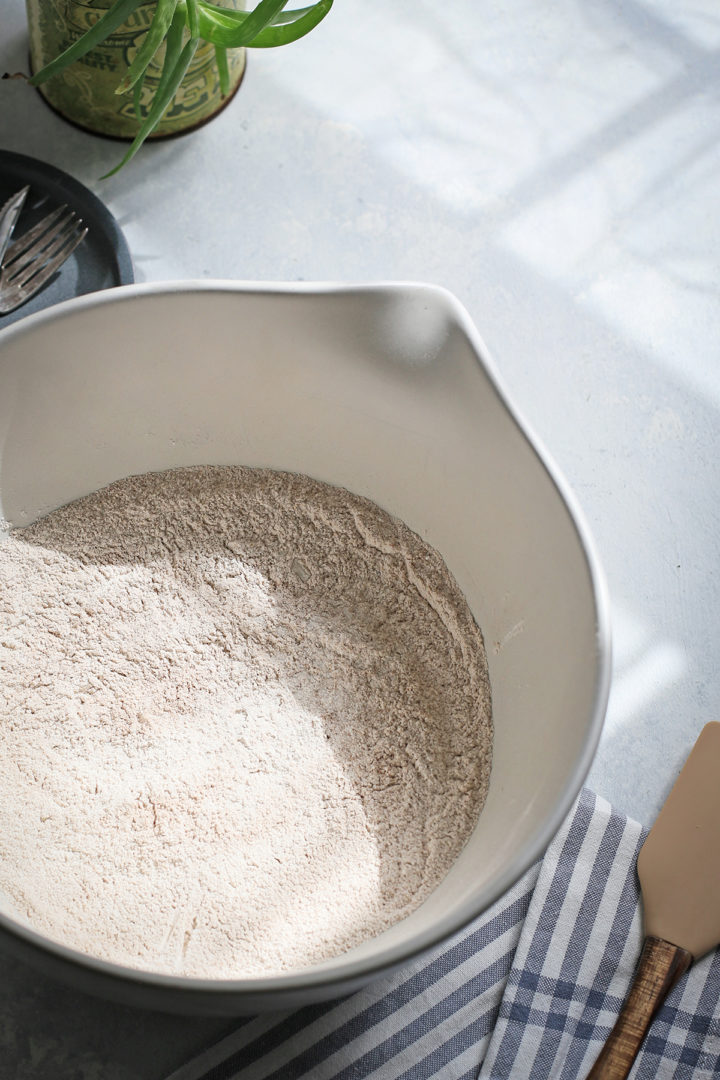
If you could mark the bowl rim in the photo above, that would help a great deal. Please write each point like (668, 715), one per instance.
(363, 969)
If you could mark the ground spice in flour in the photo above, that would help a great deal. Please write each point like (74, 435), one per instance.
(244, 722)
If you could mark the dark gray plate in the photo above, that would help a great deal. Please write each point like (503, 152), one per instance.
(103, 258)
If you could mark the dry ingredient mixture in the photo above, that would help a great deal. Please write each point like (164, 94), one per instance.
(244, 722)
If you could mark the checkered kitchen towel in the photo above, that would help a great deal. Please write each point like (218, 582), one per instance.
(530, 990)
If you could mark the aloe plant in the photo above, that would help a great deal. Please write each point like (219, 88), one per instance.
(180, 25)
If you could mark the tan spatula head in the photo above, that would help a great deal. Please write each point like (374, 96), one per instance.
(679, 871)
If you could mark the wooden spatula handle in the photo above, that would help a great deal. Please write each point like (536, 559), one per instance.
(661, 965)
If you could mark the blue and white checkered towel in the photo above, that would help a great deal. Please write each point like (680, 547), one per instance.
(531, 989)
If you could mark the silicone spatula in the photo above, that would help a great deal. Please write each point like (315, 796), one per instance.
(679, 871)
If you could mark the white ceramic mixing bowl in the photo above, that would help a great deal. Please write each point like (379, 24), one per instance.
(386, 390)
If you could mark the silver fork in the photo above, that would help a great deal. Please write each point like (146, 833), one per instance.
(35, 256)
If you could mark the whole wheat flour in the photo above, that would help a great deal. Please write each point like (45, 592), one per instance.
(244, 722)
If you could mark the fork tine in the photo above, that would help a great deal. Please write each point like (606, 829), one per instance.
(23, 242)
(37, 280)
(19, 274)
(40, 248)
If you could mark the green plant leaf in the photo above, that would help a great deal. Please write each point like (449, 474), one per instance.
(157, 31)
(137, 97)
(211, 16)
(273, 36)
(177, 61)
(173, 48)
(215, 20)
(261, 15)
(221, 28)
(192, 18)
(114, 17)
(291, 16)
(221, 60)
(230, 18)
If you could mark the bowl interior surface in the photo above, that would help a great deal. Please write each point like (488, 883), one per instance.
(383, 390)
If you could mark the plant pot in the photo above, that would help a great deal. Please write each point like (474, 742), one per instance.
(85, 92)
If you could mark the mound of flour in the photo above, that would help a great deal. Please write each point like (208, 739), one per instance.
(244, 722)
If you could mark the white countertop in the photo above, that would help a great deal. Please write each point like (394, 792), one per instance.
(555, 165)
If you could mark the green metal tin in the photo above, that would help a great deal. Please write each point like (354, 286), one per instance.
(85, 92)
